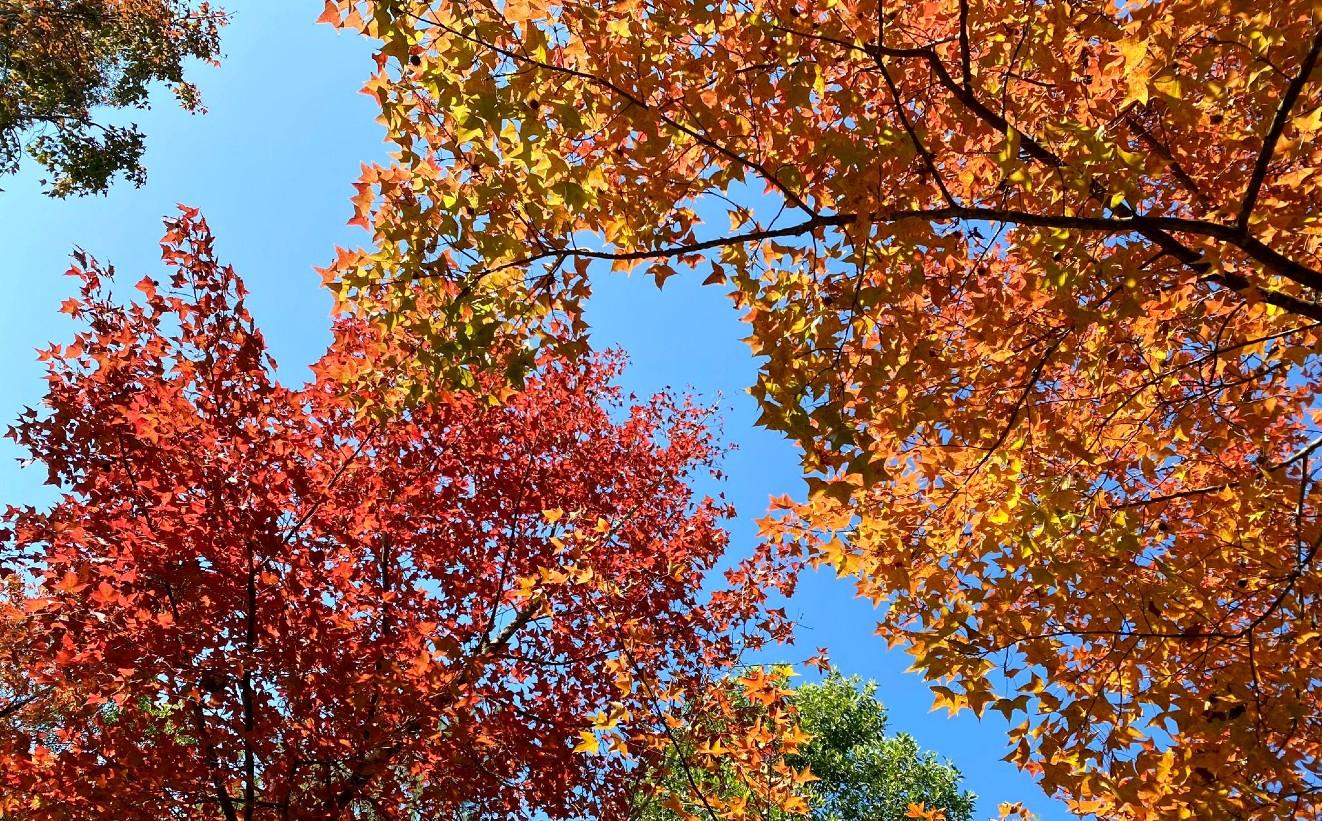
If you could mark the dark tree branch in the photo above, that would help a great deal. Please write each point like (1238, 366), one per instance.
(16, 705)
(1154, 228)
(929, 160)
(965, 53)
(1288, 100)
(367, 769)
(1150, 140)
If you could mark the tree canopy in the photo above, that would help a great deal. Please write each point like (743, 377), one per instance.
(860, 773)
(1036, 288)
(864, 774)
(1034, 285)
(254, 601)
(61, 60)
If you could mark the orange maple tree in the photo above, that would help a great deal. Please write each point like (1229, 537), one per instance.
(271, 605)
(1038, 290)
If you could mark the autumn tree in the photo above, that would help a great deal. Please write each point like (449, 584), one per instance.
(61, 60)
(275, 605)
(859, 772)
(1037, 287)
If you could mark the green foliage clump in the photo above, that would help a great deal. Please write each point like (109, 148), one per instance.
(61, 61)
(862, 773)
(865, 774)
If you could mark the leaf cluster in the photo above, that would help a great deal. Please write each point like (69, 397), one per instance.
(64, 62)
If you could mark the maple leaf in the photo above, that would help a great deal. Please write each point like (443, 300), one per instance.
(921, 811)
(588, 742)
(330, 14)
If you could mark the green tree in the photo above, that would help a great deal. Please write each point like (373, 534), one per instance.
(862, 773)
(62, 60)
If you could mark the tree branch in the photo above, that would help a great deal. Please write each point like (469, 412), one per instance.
(965, 54)
(1274, 132)
(929, 159)
(16, 705)
(1154, 228)
(367, 769)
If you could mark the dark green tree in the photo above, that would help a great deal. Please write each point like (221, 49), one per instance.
(863, 773)
(62, 62)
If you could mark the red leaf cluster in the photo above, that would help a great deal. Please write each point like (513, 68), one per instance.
(259, 602)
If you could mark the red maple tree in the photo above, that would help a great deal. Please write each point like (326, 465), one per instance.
(271, 605)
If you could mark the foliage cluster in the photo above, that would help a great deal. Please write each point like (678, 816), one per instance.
(858, 772)
(61, 61)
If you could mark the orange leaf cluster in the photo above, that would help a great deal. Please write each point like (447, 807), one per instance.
(1038, 288)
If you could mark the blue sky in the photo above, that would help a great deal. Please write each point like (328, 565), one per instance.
(270, 166)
